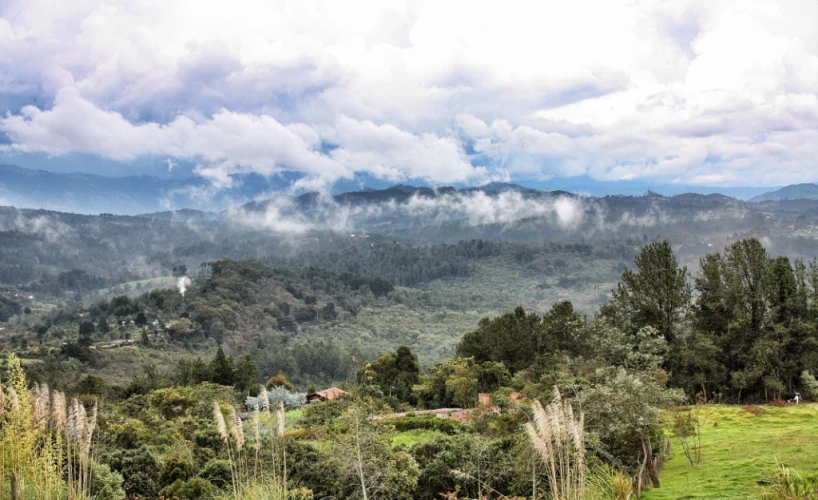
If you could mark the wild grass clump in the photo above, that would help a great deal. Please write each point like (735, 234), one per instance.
(558, 436)
(269, 490)
(246, 480)
(608, 483)
(788, 484)
(45, 442)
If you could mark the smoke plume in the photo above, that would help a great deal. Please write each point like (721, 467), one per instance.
(182, 283)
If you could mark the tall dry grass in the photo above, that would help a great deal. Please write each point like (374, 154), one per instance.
(246, 476)
(45, 444)
(558, 436)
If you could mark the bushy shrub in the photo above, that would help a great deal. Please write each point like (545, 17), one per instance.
(105, 483)
(217, 472)
(809, 385)
(431, 423)
(193, 489)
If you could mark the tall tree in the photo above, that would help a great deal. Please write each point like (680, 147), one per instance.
(656, 294)
(515, 339)
(222, 368)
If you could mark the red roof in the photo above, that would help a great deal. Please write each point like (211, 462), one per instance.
(328, 394)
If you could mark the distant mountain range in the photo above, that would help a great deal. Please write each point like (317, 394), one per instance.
(92, 194)
(793, 192)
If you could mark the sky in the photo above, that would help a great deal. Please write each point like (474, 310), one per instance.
(715, 93)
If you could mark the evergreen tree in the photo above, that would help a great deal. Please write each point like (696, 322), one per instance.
(656, 294)
(247, 375)
(222, 369)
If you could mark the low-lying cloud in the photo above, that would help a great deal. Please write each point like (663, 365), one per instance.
(473, 208)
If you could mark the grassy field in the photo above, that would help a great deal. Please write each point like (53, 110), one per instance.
(408, 438)
(741, 446)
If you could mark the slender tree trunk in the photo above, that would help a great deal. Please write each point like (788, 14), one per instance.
(14, 492)
(533, 480)
(654, 478)
(360, 462)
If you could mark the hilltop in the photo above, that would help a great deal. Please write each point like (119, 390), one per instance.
(794, 192)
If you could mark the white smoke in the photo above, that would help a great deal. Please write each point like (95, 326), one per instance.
(182, 283)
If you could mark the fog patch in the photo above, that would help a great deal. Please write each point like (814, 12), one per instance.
(49, 228)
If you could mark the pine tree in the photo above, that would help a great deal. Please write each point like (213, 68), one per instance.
(222, 368)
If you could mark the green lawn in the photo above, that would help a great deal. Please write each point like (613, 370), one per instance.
(292, 417)
(739, 449)
(415, 436)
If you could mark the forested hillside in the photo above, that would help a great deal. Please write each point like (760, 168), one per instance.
(739, 328)
(637, 319)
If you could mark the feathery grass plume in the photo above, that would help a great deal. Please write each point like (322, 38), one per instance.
(30, 464)
(263, 396)
(42, 399)
(91, 425)
(14, 401)
(218, 417)
(77, 421)
(58, 410)
(256, 427)
(236, 429)
(558, 436)
(2, 401)
(82, 422)
(281, 420)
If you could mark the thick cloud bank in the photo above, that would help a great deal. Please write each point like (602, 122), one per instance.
(709, 92)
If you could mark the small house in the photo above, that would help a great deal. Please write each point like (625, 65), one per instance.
(330, 394)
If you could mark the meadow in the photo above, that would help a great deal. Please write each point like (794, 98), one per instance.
(742, 448)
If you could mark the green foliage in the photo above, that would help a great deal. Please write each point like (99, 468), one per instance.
(105, 483)
(446, 426)
(139, 467)
(364, 461)
(217, 472)
(192, 489)
(457, 382)
(809, 385)
(222, 369)
(395, 374)
(519, 339)
(8, 308)
(656, 294)
(279, 380)
(92, 385)
(788, 484)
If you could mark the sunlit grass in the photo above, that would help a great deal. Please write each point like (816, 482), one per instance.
(414, 436)
(740, 449)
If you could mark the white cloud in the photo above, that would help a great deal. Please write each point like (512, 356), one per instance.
(474, 208)
(704, 91)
